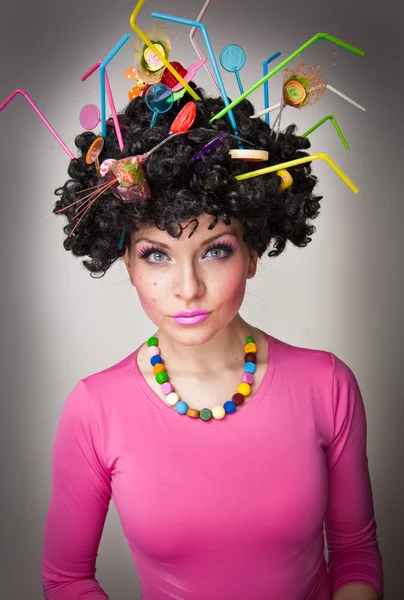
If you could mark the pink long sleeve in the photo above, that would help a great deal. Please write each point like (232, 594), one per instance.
(350, 522)
(231, 509)
(81, 491)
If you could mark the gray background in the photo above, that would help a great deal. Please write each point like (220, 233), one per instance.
(342, 293)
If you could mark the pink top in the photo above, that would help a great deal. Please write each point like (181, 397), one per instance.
(229, 509)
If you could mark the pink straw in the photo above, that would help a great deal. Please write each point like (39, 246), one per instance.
(110, 99)
(40, 115)
(199, 53)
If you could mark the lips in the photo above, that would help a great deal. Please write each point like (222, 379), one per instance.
(191, 313)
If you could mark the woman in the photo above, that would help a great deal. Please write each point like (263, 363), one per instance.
(225, 450)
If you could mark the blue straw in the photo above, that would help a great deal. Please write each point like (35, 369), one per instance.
(104, 63)
(202, 27)
(121, 240)
(266, 85)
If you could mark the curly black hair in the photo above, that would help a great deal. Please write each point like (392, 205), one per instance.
(180, 191)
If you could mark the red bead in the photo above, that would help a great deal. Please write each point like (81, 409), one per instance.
(250, 357)
(238, 399)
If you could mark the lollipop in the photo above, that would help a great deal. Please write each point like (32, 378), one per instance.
(159, 98)
(232, 58)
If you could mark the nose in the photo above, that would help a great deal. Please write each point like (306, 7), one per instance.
(188, 282)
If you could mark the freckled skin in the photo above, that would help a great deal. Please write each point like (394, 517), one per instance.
(188, 277)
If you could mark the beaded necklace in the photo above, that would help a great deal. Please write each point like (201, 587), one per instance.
(217, 412)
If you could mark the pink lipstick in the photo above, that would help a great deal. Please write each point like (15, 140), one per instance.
(191, 317)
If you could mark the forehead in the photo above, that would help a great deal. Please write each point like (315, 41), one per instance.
(200, 235)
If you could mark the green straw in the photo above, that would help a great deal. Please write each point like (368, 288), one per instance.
(337, 128)
(318, 36)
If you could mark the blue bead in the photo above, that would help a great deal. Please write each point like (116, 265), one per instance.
(155, 359)
(250, 367)
(229, 406)
(181, 407)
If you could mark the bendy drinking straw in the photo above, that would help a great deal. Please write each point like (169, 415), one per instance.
(300, 161)
(318, 36)
(266, 86)
(199, 53)
(103, 64)
(337, 129)
(40, 115)
(132, 22)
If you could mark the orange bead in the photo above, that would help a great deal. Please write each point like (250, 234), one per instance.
(250, 347)
(158, 368)
(192, 412)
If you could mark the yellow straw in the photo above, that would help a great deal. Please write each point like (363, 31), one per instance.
(300, 161)
(153, 48)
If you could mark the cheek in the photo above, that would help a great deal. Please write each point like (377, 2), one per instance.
(231, 285)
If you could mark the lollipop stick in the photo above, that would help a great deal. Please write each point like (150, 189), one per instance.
(337, 129)
(265, 111)
(300, 161)
(132, 22)
(266, 87)
(341, 95)
(318, 36)
(154, 118)
(40, 115)
(240, 85)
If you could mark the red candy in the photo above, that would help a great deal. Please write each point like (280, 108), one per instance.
(168, 78)
(184, 119)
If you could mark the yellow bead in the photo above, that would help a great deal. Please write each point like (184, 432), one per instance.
(172, 398)
(244, 388)
(158, 367)
(250, 347)
(218, 412)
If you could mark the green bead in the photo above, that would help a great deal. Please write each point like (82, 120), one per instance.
(153, 341)
(205, 414)
(250, 340)
(161, 377)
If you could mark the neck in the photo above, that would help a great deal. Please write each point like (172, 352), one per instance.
(216, 355)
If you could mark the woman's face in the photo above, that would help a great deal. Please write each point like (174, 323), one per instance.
(208, 271)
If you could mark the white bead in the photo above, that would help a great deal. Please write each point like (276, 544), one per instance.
(218, 412)
(172, 398)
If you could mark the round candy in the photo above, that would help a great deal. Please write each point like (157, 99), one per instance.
(89, 116)
(238, 399)
(181, 407)
(250, 347)
(249, 155)
(218, 412)
(153, 351)
(167, 388)
(94, 150)
(158, 368)
(192, 412)
(250, 339)
(184, 119)
(250, 367)
(230, 406)
(172, 398)
(168, 78)
(244, 388)
(294, 93)
(205, 414)
(152, 61)
(287, 179)
(232, 58)
(152, 341)
(247, 378)
(250, 357)
(155, 360)
(161, 377)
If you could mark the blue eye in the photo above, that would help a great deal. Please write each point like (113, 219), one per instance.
(220, 251)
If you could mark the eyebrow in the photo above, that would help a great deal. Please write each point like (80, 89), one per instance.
(167, 246)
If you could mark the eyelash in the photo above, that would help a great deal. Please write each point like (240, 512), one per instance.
(226, 246)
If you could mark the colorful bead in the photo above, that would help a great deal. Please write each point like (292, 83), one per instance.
(158, 368)
(250, 347)
(230, 406)
(155, 360)
(218, 412)
(172, 398)
(244, 388)
(250, 357)
(181, 407)
(238, 399)
(152, 341)
(193, 412)
(153, 350)
(250, 339)
(167, 388)
(247, 378)
(205, 414)
(250, 367)
(162, 377)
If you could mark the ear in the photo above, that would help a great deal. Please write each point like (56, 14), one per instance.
(252, 264)
(126, 260)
